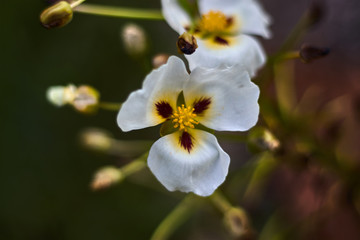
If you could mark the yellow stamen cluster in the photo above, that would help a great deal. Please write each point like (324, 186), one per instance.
(213, 22)
(184, 118)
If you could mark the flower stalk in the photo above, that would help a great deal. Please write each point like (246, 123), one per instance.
(177, 217)
(235, 218)
(119, 12)
(111, 106)
(76, 3)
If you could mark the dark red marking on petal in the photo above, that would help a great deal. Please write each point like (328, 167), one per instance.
(200, 105)
(164, 109)
(186, 141)
(221, 41)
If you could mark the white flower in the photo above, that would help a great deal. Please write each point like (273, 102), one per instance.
(190, 159)
(222, 32)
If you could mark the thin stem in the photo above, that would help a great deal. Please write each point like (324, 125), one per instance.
(119, 12)
(219, 200)
(110, 106)
(297, 32)
(289, 55)
(76, 3)
(128, 148)
(178, 216)
(134, 166)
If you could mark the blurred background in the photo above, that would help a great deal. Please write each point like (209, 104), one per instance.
(45, 172)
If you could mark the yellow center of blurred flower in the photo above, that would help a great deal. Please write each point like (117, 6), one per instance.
(213, 22)
(184, 118)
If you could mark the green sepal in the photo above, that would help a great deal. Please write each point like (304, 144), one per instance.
(181, 99)
(167, 128)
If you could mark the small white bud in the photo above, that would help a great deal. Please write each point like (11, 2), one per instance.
(159, 60)
(55, 95)
(105, 177)
(96, 139)
(134, 39)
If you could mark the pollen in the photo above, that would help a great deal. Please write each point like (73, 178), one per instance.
(184, 118)
(213, 22)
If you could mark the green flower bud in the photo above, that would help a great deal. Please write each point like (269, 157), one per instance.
(57, 15)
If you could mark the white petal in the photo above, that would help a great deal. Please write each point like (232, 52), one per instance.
(234, 97)
(162, 84)
(201, 171)
(175, 16)
(243, 50)
(55, 95)
(253, 18)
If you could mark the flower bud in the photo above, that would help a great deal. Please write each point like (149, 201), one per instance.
(86, 99)
(159, 60)
(57, 15)
(236, 221)
(96, 139)
(310, 53)
(186, 44)
(261, 139)
(59, 95)
(55, 95)
(105, 177)
(134, 39)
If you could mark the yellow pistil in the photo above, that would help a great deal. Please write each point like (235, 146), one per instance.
(213, 22)
(184, 118)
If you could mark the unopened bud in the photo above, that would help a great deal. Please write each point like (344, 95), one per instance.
(186, 44)
(96, 139)
(310, 53)
(262, 139)
(134, 39)
(57, 15)
(60, 95)
(159, 60)
(105, 178)
(236, 221)
(86, 99)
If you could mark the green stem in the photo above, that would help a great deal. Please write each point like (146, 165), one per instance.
(110, 106)
(76, 3)
(289, 55)
(297, 32)
(119, 12)
(128, 149)
(178, 216)
(134, 166)
(219, 200)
